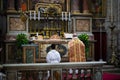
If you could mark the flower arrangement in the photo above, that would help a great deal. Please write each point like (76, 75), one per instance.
(85, 38)
(21, 39)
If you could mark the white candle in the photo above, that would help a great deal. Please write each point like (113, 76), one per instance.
(38, 15)
(34, 15)
(69, 16)
(37, 34)
(66, 16)
(30, 15)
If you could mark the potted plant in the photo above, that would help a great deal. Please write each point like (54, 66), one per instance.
(20, 40)
(85, 39)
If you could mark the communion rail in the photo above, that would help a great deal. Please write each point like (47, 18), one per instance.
(58, 71)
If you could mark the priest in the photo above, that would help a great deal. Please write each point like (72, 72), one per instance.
(76, 50)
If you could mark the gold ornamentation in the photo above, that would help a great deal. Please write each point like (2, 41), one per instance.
(48, 8)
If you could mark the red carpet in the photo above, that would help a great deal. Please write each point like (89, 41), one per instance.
(111, 76)
(106, 76)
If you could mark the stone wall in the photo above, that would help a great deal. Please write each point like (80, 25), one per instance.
(116, 14)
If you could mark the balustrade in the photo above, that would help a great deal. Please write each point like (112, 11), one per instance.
(59, 71)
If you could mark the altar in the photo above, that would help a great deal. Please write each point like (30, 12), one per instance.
(39, 48)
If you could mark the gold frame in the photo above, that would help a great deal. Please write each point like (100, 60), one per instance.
(33, 48)
(83, 25)
(64, 5)
(10, 52)
(101, 6)
(46, 6)
(15, 25)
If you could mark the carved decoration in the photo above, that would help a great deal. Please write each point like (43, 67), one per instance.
(48, 8)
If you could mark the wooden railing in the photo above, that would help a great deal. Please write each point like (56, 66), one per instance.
(63, 71)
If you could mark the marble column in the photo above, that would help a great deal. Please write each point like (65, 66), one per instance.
(75, 6)
(85, 6)
(10, 5)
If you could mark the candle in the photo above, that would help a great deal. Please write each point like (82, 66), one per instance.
(34, 15)
(38, 15)
(69, 16)
(30, 15)
(66, 16)
(37, 34)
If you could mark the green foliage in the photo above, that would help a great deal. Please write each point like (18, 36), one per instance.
(21, 39)
(84, 37)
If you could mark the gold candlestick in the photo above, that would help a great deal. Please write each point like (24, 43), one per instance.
(113, 60)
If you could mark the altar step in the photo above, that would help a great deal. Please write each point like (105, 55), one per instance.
(111, 69)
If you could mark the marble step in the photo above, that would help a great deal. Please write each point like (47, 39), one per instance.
(111, 68)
